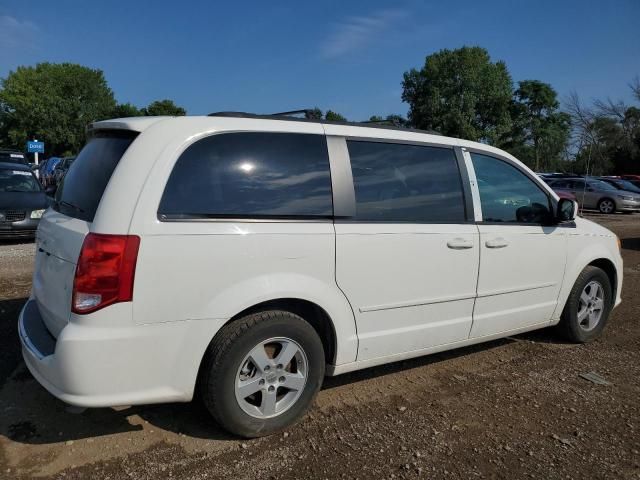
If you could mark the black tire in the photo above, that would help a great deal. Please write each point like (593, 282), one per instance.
(569, 325)
(223, 360)
(604, 201)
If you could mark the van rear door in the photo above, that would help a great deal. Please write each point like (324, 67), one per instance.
(63, 227)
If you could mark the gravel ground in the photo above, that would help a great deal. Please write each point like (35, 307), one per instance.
(514, 408)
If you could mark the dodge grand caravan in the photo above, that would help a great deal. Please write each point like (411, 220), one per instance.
(242, 258)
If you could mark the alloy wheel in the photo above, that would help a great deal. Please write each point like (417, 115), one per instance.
(591, 306)
(271, 377)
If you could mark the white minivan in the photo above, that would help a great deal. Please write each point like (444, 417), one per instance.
(242, 258)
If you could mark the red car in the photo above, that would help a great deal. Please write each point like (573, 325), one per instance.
(568, 195)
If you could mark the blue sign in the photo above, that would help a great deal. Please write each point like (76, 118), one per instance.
(35, 147)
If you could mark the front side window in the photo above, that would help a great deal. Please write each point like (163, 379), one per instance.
(577, 184)
(250, 174)
(405, 183)
(507, 194)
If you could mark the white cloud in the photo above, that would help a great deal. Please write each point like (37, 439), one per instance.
(354, 33)
(16, 34)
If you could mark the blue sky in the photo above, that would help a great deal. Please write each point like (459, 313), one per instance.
(347, 56)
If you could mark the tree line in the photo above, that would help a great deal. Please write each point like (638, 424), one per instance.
(55, 102)
(461, 93)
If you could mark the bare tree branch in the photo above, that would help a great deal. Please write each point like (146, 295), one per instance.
(635, 87)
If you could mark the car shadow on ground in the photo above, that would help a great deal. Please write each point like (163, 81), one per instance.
(43, 419)
(31, 415)
(16, 240)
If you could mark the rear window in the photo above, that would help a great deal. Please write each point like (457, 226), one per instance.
(81, 190)
(18, 181)
(250, 175)
(14, 157)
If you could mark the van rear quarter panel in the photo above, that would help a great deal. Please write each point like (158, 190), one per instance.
(209, 271)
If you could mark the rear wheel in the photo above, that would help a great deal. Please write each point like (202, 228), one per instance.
(588, 306)
(262, 372)
(606, 205)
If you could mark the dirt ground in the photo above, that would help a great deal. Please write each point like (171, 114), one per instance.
(514, 408)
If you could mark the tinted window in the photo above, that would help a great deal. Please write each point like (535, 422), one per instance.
(13, 157)
(251, 174)
(83, 185)
(507, 194)
(406, 183)
(600, 185)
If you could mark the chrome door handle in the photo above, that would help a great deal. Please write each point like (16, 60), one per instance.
(459, 244)
(496, 243)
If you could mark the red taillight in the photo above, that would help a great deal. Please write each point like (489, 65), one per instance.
(105, 271)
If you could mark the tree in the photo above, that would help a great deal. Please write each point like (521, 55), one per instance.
(460, 93)
(163, 107)
(392, 120)
(124, 110)
(540, 132)
(53, 103)
(606, 136)
(334, 116)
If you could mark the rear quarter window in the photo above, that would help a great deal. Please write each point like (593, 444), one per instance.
(250, 175)
(84, 184)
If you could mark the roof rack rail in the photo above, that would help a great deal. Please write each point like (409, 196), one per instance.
(285, 116)
(307, 112)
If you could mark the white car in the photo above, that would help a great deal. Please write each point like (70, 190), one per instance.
(245, 257)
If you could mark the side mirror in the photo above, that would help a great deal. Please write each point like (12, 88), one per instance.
(567, 210)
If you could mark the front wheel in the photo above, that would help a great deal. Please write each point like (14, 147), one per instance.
(262, 372)
(588, 306)
(606, 205)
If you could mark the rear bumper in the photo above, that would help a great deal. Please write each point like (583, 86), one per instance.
(91, 365)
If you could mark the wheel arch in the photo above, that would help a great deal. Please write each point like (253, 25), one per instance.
(597, 257)
(610, 269)
(311, 312)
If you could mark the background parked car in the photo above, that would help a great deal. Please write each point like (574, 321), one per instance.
(633, 179)
(13, 156)
(61, 168)
(22, 201)
(47, 171)
(621, 184)
(596, 194)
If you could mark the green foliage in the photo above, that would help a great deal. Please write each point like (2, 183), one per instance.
(163, 107)
(460, 93)
(315, 114)
(53, 103)
(540, 132)
(392, 120)
(124, 110)
(606, 136)
(334, 116)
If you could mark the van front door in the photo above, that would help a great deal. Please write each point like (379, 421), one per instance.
(522, 256)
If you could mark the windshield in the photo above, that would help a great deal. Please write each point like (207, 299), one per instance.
(600, 185)
(18, 181)
(627, 185)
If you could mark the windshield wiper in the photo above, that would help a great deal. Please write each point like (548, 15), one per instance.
(70, 205)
